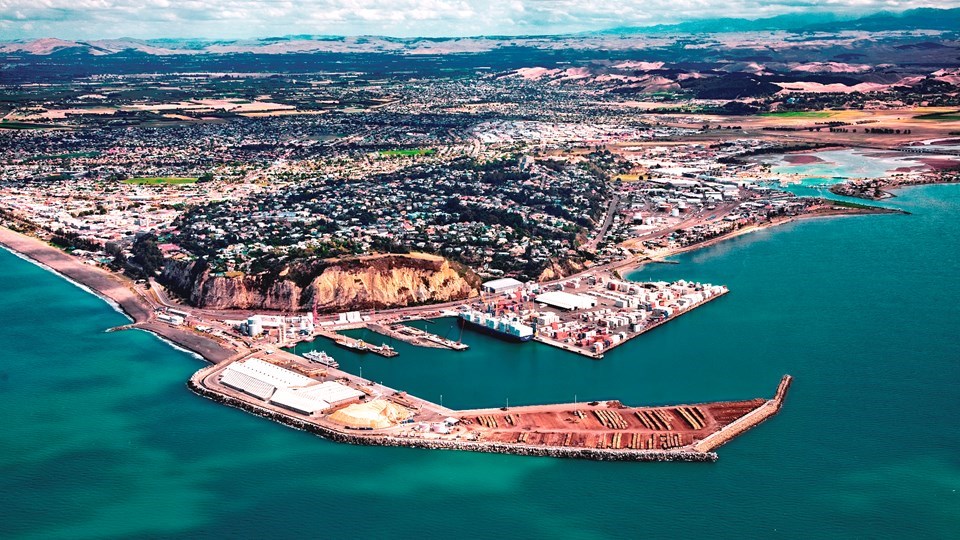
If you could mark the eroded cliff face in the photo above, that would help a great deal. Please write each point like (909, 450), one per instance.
(560, 269)
(366, 283)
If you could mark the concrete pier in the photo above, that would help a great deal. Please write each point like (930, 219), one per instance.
(598, 355)
(357, 345)
(416, 336)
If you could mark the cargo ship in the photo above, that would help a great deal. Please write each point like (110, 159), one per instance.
(502, 327)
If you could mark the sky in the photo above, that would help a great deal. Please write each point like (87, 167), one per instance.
(233, 19)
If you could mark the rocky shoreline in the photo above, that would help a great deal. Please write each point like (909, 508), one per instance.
(877, 189)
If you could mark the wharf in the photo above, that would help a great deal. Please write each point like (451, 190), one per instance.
(599, 430)
(416, 336)
(597, 356)
(568, 347)
(357, 345)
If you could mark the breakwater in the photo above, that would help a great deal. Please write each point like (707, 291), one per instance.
(195, 385)
(747, 421)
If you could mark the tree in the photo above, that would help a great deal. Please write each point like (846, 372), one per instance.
(147, 254)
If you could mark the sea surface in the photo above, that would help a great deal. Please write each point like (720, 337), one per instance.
(100, 437)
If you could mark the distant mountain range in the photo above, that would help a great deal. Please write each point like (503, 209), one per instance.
(913, 19)
(943, 20)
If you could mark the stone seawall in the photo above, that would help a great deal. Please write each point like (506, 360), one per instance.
(491, 447)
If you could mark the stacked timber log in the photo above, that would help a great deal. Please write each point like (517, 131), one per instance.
(610, 419)
(488, 421)
(689, 414)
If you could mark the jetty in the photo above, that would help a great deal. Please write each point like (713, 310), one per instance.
(416, 336)
(358, 345)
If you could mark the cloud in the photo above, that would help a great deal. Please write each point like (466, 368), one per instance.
(87, 19)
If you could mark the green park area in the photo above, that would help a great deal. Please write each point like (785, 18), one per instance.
(949, 116)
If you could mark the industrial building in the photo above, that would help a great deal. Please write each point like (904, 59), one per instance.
(286, 388)
(245, 383)
(260, 379)
(256, 325)
(270, 373)
(334, 393)
(311, 400)
(503, 285)
(350, 317)
(567, 301)
(299, 401)
(174, 320)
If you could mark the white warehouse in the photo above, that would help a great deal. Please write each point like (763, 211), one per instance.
(567, 301)
(499, 286)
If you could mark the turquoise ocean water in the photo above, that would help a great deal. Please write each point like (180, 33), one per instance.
(101, 439)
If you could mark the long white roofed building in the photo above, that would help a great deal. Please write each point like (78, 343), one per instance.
(286, 388)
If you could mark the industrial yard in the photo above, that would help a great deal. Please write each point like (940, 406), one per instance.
(589, 314)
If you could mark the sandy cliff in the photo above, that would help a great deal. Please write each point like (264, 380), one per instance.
(560, 269)
(363, 283)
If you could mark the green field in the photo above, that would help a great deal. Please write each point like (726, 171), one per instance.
(173, 180)
(799, 114)
(409, 152)
(951, 116)
(27, 125)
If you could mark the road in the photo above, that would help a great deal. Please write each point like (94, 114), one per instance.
(591, 245)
